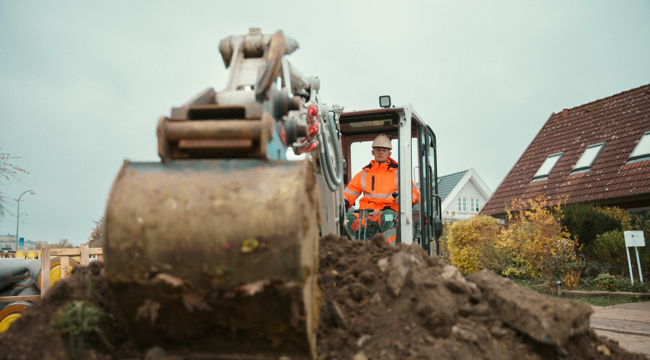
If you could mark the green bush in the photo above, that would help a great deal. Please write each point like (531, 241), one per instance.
(605, 281)
(588, 283)
(596, 267)
(585, 222)
(624, 284)
(610, 248)
(642, 222)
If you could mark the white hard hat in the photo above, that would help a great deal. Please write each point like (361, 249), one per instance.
(382, 141)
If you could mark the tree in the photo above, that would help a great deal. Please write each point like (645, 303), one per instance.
(8, 171)
(39, 245)
(96, 238)
(585, 222)
(62, 244)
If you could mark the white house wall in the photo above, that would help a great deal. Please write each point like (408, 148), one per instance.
(469, 190)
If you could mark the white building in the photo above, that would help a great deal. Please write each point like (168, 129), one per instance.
(8, 243)
(463, 194)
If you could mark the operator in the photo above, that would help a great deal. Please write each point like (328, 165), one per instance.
(378, 181)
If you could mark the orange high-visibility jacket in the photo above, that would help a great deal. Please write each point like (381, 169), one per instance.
(377, 182)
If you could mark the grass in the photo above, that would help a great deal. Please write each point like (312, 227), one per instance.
(596, 300)
(601, 300)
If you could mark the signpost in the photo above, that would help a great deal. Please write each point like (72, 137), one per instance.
(21, 243)
(635, 239)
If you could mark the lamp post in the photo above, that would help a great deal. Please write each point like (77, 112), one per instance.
(32, 192)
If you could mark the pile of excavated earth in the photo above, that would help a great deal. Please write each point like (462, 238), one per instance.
(378, 302)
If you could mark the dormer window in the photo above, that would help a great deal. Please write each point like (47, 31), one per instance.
(642, 150)
(547, 167)
(588, 158)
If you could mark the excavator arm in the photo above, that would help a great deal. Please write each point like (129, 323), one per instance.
(213, 251)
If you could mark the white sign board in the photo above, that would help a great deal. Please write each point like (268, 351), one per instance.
(634, 238)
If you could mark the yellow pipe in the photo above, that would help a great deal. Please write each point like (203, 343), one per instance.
(10, 314)
(55, 270)
(7, 321)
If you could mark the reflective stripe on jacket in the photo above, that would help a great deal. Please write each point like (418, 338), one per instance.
(377, 182)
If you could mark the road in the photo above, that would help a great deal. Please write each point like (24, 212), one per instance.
(629, 324)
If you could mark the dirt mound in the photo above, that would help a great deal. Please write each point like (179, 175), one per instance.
(33, 337)
(384, 302)
(378, 302)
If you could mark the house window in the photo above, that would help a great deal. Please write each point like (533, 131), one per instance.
(642, 150)
(547, 167)
(462, 204)
(588, 158)
(473, 205)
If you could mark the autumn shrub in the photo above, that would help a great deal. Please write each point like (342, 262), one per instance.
(626, 219)
(492, 255)
(610, 248)
(605, 281)
(642, 222)
(466, 238)
(616, 248)
(584, 223)
(571, 278)
(536, 238)
(447, 221)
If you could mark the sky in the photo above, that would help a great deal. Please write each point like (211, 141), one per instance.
(83, 83)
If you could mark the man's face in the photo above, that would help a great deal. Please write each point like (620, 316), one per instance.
(381, 154)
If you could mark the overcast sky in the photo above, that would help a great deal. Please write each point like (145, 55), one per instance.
(82, 83)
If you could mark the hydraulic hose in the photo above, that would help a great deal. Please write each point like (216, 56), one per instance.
(332, 178)
(326, 174)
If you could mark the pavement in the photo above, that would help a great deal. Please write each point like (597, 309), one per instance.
(628, 324)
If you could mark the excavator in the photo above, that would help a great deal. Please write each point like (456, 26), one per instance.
(212, 252)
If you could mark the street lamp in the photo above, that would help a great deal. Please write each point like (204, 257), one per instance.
(32, 192)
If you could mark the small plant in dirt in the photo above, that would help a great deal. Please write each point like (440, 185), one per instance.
(78, 319)
(605, 281)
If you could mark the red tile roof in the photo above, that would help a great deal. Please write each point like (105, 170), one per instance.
(619, 121)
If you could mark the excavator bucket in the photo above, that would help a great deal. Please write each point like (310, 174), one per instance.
(216, 258)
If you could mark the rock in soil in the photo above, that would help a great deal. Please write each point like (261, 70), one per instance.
(378, 302)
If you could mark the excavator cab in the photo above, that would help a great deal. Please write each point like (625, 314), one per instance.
(416, 156)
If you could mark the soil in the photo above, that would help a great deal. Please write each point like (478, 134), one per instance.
(32, 337)
(378, 302)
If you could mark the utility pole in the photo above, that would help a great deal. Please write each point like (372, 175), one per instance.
(18, 213)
